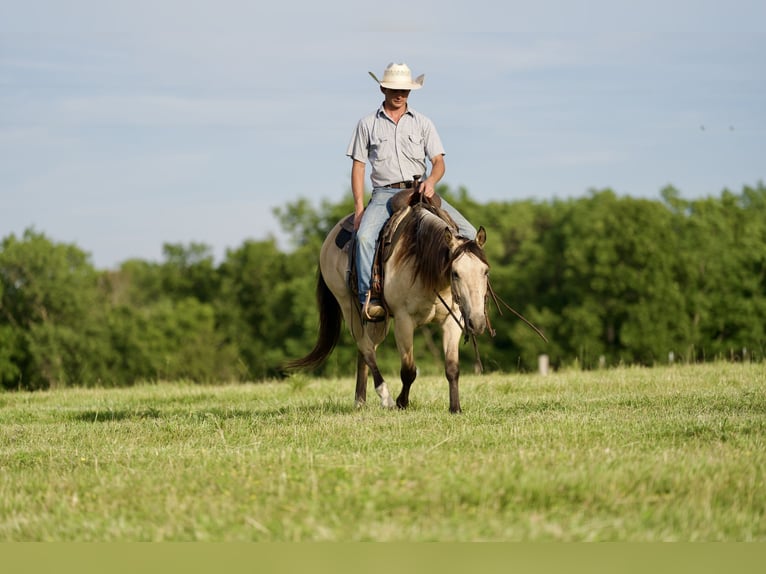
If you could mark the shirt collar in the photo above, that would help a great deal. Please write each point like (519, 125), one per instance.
(382, 112)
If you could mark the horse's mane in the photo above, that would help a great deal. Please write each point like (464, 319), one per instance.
(425, 236)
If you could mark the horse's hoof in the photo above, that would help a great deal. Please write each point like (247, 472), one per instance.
(385, 397)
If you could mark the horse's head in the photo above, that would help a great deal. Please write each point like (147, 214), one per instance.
(469, 277)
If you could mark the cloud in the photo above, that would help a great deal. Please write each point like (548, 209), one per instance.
(168, 110)
(112, 181)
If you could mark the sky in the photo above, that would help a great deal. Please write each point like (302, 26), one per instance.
(125, 125)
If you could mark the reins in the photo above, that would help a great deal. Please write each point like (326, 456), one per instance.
(464, 328)
(495, 298)
(478, 366)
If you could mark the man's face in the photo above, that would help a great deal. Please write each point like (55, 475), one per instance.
(396, 98)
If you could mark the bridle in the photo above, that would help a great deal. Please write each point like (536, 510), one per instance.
(467, 335)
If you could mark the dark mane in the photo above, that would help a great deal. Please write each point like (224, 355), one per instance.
(426, 245)
(472, 248)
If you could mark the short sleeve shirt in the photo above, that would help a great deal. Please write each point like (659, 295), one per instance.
(396, 152)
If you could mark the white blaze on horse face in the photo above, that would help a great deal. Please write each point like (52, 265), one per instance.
(469, 284)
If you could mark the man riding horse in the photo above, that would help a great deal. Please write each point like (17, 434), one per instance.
(435, 267)
(395, 140)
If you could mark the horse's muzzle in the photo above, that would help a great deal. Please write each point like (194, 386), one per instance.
(476, 325)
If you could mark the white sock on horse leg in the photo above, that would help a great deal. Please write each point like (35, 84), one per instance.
(385, 397)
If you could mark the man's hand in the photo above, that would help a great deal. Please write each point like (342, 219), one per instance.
(427, 188)
(358, 218)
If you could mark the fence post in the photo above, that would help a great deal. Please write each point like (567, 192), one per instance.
(543, 364)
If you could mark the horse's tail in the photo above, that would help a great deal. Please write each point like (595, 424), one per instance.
(330, 321)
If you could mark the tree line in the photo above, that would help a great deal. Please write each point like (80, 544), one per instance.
(609, 279)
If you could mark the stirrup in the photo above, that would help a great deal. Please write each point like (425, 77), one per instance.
(366, 311)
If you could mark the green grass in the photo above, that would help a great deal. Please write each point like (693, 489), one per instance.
(673, 454)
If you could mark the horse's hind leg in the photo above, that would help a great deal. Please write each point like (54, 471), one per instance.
(368, 337)
(361, 380)
(367, 355)
(382, 389)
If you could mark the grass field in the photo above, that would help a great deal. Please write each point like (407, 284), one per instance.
(672, 454)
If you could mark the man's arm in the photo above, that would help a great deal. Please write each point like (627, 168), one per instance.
(438, 168)
(357, 189)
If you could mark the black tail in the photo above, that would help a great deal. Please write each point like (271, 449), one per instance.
(330, 320)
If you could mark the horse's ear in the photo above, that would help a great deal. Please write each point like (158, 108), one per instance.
(448, 235)
(481, 237)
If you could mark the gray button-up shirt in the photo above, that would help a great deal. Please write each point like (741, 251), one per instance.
(396, 152)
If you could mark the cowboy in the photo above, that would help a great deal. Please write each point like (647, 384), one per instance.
(395, 140)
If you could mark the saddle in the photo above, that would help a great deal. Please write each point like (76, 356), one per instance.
(401, 205)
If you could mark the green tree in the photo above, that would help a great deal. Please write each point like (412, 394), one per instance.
(620, 258)
(170, 340)
(164, 322)
(189, 271)
(259, 310)
(525, 274)
(724, 267)
(50, 306)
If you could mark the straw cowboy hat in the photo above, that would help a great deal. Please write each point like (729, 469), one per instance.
(399, 77)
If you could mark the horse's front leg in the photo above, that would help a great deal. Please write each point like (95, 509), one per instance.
(361, 380)
(452, 335)
(404, 329)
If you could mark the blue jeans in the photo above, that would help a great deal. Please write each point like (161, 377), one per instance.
(374, 218)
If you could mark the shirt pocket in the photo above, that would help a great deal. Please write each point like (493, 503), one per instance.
(381, 149)
(414, 147)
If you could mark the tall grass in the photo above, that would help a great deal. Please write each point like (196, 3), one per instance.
(625, 454)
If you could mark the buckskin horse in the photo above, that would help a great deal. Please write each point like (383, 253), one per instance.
(431, 275)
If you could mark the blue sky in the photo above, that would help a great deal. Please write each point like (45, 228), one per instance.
(128, 124)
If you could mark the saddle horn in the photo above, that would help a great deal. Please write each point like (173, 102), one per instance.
(415, 197)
